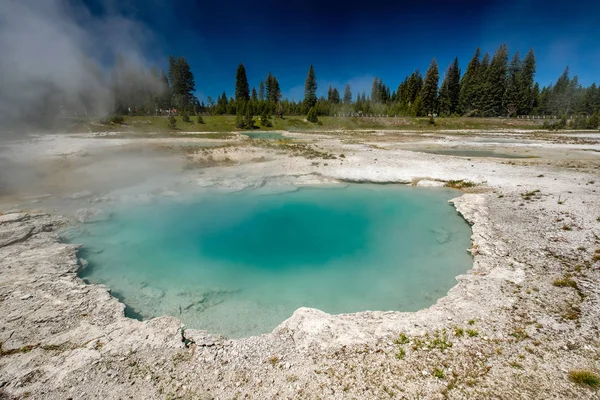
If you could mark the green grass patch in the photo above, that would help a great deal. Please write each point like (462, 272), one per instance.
(472, 333)
(585, 378)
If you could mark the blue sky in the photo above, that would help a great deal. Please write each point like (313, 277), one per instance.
(353, 43)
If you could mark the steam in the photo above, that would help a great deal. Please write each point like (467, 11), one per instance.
(54, 60)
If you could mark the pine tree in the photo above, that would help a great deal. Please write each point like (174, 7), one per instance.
(164, 101)
(514, 91)
(450, 90)
(254, 95)
(495, 83)
(481, 85)
(335, 96)
(261, 91)
(430, 88)
(527, 95)
(273, 90)
(375, 94)
(347, 95)
(310, 89)
(242, 90)
(468, 84)
(248, 120)
(182, 82)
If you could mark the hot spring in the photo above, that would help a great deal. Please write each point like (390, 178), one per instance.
(240, 264)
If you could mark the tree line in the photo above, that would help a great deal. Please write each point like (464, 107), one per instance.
(491, 86)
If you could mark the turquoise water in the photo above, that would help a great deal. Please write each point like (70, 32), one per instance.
(265, 135)
(240, 264)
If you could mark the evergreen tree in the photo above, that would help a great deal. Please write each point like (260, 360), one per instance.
(254, 95)
(347, 95)
(261, 91)
(375, 94)
(164, 101)
(495, 83)
(248, 119)
(335, 96)
(450, 90)
(310, 89)
(514, 90)
(242, 90)
(468, 84)
(273, 92)
(182, 82)
(222, 103)
(481, 84)
(430, 88)
(329, 94)
(527, 96)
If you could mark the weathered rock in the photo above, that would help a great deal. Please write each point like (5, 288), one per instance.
(13, 217)
(16, 234)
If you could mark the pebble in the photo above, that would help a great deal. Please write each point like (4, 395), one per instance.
(425, 373)
(27, 297)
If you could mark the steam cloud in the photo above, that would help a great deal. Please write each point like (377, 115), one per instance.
(54, 56)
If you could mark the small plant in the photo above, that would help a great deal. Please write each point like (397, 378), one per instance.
(459, 332)
(529, 195)
(438, 373)
(565, 281)
(172, 122)
(401, 353)
(185, 117)
(460, 184)
(472, 333)
(273, 360)
(520, 334)
(402, 339)
(441, 341)
(471, 322)
(566, 227)
(559, 201)
(585, 378)
(200, 120)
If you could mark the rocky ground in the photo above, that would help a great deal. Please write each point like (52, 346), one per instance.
(516, 326)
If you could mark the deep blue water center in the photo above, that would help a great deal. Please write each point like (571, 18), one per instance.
(240, 264)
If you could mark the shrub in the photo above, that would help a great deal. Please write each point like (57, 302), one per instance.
(312, 115)
(172, 122)
(185, 117)
(265, 121)
(117, 119)
(200, 119)
(585, 377)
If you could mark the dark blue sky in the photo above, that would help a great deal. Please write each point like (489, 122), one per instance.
(349, 43)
